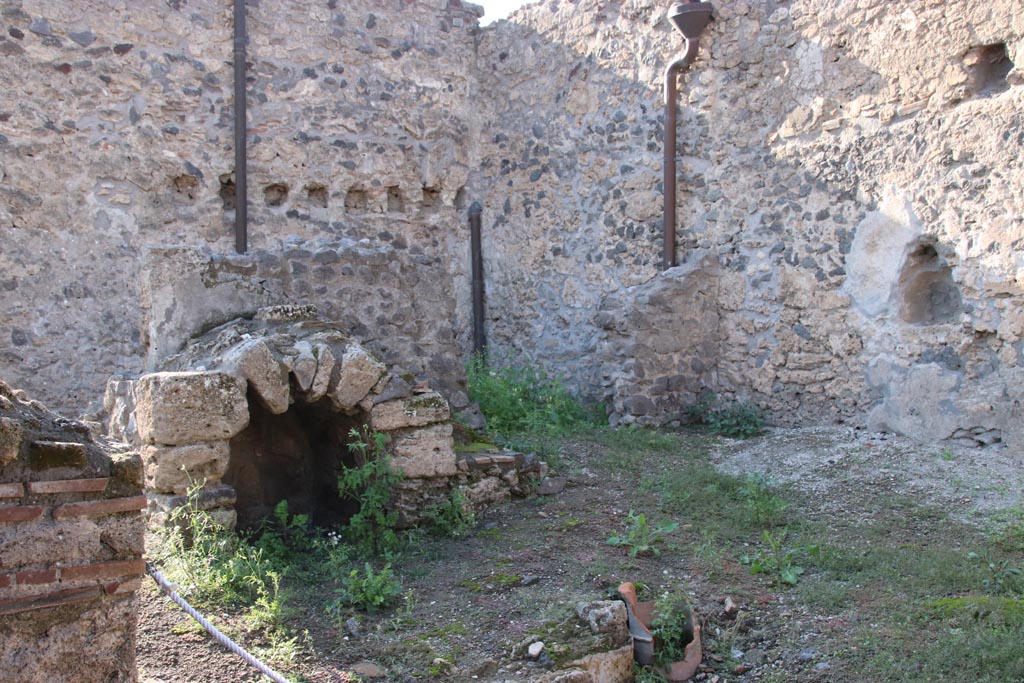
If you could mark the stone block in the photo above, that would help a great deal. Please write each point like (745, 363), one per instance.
(119, 404)
(172, 469)
(325, 363)
(426, 452)
(10, 439)
(42, 543)
(268, 379)
(606, 616)
(180, 408)
(123, 534)
(608, 667)
(218, 501)
(353, 378)
(414, 411)
(303, 365)
(45, 455)
(487, 492)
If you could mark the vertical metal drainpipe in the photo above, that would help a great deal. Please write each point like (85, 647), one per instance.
(671, 73)
(477, 266)
(241, 171)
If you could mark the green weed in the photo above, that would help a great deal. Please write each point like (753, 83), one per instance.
(775, 560)
(1001, 576)
(452, 517)
(733, 419)
(736, 420)
(367, 589)
(209, 564)
(672, 628)
(640, 538)
(516, 400)
(763, 506)
(372, 529)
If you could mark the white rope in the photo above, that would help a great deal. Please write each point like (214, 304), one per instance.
(168, 589)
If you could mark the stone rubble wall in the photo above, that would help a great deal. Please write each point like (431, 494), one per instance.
(185, 418)
(398, 302)
(116, 140)
(848, 218)
(71, 541)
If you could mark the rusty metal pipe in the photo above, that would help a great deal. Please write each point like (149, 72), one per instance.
(241, 170)
(672, 72)
(477, 266)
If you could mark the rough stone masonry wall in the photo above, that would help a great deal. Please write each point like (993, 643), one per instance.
(398, 303)
(116, 139)
(848, 189)
(849, 208)
(70, 549)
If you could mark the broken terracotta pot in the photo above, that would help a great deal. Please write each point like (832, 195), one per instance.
(641, 616)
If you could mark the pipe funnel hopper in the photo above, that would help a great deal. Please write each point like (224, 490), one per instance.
(690, 18)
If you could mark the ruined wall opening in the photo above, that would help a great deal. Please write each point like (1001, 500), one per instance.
(316, 194)
(990, 67)
(275, 194)
(186, 187)
(928, 295)
(431, 200)
(227, 191)
(294, 456)
(356, 199)
(396, 204)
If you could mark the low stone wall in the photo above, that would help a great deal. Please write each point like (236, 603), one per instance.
(264, 410)
(71, 541)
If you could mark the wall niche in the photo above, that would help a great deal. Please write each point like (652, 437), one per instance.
(927, 293)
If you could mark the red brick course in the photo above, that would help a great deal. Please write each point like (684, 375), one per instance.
(11, 490)
(102, 570)
(67, 486)
(54, 599)
(35, 576)
(20, 513)
(99, 507)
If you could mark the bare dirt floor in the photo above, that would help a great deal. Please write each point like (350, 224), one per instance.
(903, 558)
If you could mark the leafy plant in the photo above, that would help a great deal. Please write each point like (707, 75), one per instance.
(372, 529)
(733, 419)
(1002, 577)
(762, 505)
(452, 517)
(639, 537)
(368, 589)
(672, 628)
(777, 561)
(516, 400)
(269, 611)
(736, 420)
(286, 536)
